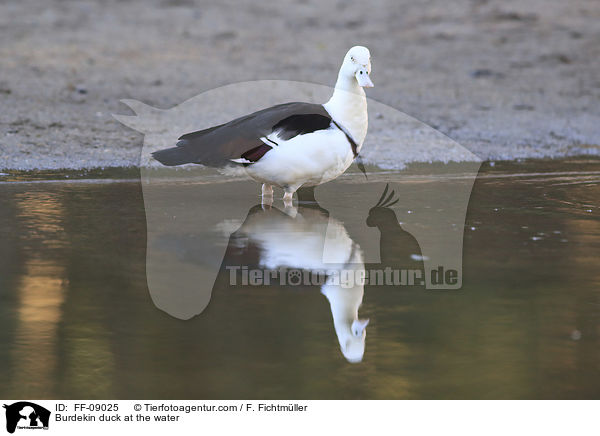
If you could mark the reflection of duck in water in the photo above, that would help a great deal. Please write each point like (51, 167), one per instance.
(270, 239)
(345, 302)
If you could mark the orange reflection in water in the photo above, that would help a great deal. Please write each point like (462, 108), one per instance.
(40, 297)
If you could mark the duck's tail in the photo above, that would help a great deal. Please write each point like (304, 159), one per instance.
(173, 156)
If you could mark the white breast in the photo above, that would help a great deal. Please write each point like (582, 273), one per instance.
(307, 160)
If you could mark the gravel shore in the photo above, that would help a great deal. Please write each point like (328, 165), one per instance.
(506, 80)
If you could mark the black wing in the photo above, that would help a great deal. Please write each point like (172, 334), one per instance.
(240, 138)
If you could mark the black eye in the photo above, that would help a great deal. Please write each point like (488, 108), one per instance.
(361, 72)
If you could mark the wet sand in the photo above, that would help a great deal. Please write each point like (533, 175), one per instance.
(506, 80)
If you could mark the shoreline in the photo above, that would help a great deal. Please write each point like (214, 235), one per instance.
(565, 164)
(505, 81)
(48, 163)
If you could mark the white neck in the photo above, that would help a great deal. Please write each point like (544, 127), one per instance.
(345, 300)
(344, 303)
(348, 107)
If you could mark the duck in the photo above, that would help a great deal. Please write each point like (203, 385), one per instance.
(317, 248)
(289, 145)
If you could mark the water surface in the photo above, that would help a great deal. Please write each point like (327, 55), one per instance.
(77, 320)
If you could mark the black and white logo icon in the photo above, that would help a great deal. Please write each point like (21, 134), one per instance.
(26, 415)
